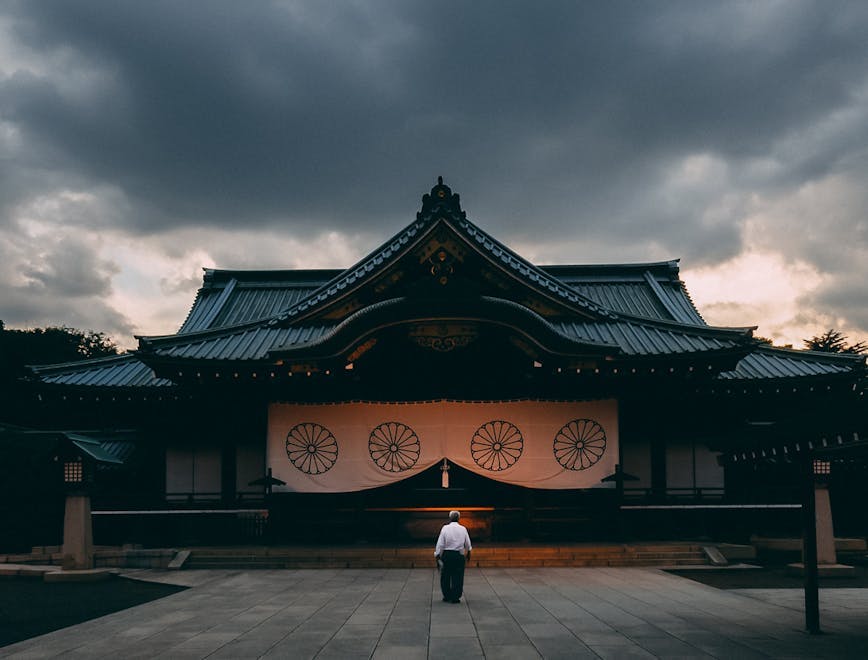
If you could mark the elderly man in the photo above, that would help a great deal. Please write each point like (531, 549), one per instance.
(453, 547)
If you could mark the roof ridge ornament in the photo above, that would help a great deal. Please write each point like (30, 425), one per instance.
(442, 197)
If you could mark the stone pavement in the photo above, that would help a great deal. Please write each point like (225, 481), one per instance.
(506, 613)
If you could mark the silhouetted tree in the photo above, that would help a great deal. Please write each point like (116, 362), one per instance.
(19, 348)
(834, 341)
(770, 342)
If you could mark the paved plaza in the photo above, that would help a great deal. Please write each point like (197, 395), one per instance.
(506, 613)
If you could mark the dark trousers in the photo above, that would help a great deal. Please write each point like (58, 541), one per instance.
(452, 575)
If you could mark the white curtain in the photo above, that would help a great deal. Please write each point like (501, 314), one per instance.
(327, 448)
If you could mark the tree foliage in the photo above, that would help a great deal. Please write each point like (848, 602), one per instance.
(770, 342)
(834, 341)
(19, 348)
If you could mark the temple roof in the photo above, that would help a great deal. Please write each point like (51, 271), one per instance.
(622, 336)
(231, 297)
(617, 306)
(765, 363)
(234, 297)
(769, 362)
(115, 371)
(433, 215)
(622, 311)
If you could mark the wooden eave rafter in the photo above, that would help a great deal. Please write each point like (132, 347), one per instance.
(109, 394)
(817, 384)
(837, 446)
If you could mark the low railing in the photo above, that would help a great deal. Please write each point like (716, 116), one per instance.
(179, 518)
(675, 495)
(177, 500)
(168, 527)
(198, 499)
(768, 494)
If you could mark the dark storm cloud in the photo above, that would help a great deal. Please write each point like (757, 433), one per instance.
(57, 280)
(842, 298)
(329, 114)
(70, 268)
(611, 125)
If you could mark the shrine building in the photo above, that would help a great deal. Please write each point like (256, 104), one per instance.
(444, 370)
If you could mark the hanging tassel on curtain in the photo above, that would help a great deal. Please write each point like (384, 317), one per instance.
(444, 480)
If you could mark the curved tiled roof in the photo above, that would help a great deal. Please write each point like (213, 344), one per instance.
(352, 276)
(230, 297)
(246, 343)
(624, 336)
(637, 310)
(487, 309)
(434, 213)
(768, 362)
(528, 271)
(651, 290)
(255, 344)
(638, 339)
(115, 371)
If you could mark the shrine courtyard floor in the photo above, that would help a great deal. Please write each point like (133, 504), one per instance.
(506, 613)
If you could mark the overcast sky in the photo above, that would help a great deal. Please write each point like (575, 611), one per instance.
(142, 141)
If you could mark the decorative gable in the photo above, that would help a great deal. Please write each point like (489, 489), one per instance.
(441, 255)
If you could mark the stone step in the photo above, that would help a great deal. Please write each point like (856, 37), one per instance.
(542, 551)
(530, 560)
(500, 556)
(229, 564)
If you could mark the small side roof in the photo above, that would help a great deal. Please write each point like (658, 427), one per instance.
(770, 362)
(93, 448)
(114, 372)
(104, 448)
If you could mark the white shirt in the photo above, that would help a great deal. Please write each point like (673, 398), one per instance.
(453, 537)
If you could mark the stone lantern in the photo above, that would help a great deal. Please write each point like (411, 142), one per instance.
(78, 456)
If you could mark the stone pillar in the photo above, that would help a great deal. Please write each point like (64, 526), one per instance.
(825, 531)
(77, 533)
